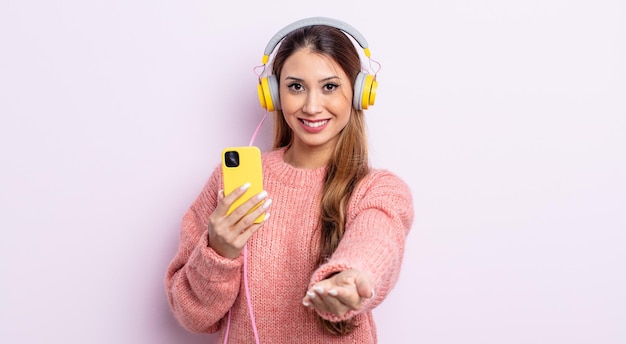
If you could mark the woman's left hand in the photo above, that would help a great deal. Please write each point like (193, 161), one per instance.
(340, 293)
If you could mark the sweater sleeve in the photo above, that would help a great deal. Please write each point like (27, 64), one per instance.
(380, 215)
(201, 285)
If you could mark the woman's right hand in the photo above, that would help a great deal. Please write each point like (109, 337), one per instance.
(228, 234)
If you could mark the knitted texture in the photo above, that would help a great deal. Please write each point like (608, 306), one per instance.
(202, 286)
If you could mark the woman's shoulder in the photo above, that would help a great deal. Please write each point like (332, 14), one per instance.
(384, 190)
(382, 185)
(384, 178)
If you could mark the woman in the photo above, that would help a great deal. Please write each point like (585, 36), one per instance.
(331, 250)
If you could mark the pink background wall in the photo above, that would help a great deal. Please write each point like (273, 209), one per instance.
(507, 119)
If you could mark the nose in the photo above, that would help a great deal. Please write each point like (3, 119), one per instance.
(313, 103)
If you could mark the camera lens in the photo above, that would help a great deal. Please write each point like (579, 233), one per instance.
(231, 159)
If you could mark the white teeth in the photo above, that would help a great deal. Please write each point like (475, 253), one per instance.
(314, 124)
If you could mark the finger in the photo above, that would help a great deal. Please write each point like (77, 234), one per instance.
(225, 203)
(325, 300)
(307, 300)
(249, 230)
(258, 206)
(225, 225)
(244, 214)
(314, 299)
(347, 296)
(364, 285)
(334, 304)
(360, 280)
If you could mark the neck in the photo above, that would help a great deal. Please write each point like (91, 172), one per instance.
(307, 158)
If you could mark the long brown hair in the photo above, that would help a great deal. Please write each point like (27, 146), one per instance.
(348, 163)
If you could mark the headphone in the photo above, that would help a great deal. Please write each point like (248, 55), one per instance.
(365, 85)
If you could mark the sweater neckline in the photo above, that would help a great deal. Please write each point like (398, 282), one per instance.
(291, 175)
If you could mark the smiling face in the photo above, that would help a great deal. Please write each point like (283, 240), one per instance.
(316, 101)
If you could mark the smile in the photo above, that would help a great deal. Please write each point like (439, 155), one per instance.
(315, 124)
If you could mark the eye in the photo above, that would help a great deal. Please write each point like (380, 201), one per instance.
(295, 87)
(329, 87)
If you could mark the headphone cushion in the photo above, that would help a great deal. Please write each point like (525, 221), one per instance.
(359, 83)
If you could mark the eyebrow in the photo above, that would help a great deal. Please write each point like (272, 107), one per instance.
(293, 78)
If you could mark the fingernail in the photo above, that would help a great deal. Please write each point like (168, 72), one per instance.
(320, 290)
(310, 294)
(245, 186)
(267, 203)
(332, 292)
(267, 216)
(306, 304)
(261, 195)
(373, 294)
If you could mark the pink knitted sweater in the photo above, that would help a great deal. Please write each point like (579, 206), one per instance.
(202, 286)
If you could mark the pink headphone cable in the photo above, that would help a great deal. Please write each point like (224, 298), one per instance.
(245, 269)
(257, 129)
(245, 283)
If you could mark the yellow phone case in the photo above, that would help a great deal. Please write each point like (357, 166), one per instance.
(242, 165)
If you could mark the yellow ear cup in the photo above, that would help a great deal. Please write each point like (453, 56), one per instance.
(265, 95)
(259, 90)
(372, 91)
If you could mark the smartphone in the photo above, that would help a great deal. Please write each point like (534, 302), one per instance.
(242, 165)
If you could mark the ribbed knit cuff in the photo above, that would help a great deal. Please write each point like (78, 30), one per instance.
(210, 265)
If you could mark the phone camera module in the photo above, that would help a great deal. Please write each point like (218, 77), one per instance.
(231, 159)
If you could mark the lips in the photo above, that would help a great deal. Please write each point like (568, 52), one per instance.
(313, 126)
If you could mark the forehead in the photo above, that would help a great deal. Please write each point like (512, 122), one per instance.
(306, 62)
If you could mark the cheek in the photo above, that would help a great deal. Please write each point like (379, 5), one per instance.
(289, 104)
(346, 98)
(341, 104)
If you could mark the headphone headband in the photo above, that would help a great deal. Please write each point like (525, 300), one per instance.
(365, 85)
(345, 27)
